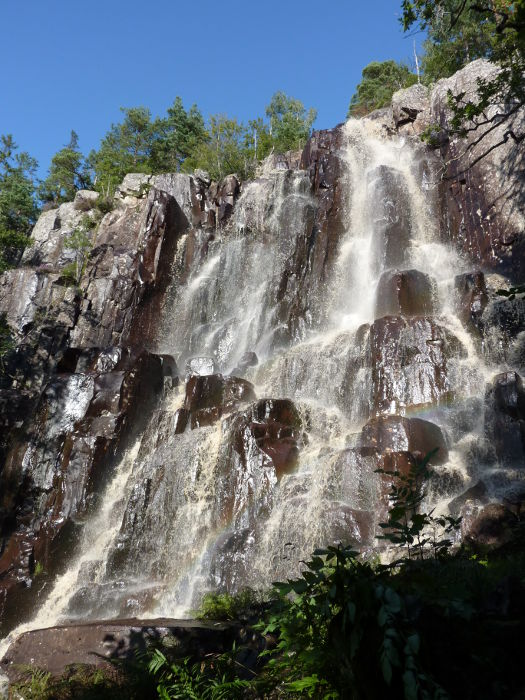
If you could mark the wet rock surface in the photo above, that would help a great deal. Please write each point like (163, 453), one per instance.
(392, 434)
(406, 293)
(505, 418)
(192, 285)
(472, 298)
(97, 644)
(210, 397)
(81, 386)
(409, 362)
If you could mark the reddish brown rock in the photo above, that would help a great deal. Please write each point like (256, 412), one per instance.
(83, 422)
(262, 445)
(212, 396)
(493, 527)
(409, 362)
(405, 293)
(398, 434)
(99, 643)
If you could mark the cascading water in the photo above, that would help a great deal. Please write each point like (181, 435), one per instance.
(202, 508)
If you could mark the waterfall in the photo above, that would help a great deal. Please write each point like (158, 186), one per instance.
(190, 510)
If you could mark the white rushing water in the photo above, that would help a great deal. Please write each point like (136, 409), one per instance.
(183, 512)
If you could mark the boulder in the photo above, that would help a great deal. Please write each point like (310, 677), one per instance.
(386, 434)
(406, 293)
(212, 396)
(492, 528)
(101, 644)
(261, 446)
(407, 104)
(85, 200)
(409, 362)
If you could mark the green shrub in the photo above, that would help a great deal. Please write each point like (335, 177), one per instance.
(215, 678)
(225, 606)
(104, 204)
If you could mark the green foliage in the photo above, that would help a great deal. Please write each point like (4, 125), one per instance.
(67, 174)
(80, 242)
(104, 204)
(126, 148)
(420, 533)
(6, 341)
(460, 30)
(452, 42)
(179, 135)
(80, 682)
(182, 141)
(378, 83)
(345, 631)
(226, 606)
(34, 687)
(290, 123)
(227, 150)
(18, 208)
(213, 679)
(39, 569)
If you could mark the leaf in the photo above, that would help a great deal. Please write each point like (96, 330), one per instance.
(410, 685)
(413, 643)
(386, 669)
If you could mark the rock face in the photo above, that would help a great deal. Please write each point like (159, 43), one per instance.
(136, 377)
(410, 108)
(409, 362)
(484, 200)
(505, 418)
(99, 644)
(82, 384)
(407, 293)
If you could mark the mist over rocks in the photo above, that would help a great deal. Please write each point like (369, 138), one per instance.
(238, 358)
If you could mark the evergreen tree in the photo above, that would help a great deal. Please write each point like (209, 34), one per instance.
(18, 210)
(67, 174)
(177, 137)
(126, 148)
(378, 83)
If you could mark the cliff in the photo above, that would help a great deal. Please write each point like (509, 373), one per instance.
(228, 341)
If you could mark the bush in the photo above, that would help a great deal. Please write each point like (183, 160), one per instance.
(243, 605)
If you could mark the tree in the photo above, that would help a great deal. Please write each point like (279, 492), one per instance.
(378, 83)
(126, 148)
(290, 123)
(449, 48)
(505, 21)
(228, 149)
(67, 174)
(177, 136)
(18, 210)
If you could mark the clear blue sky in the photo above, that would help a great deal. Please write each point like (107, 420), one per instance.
(68, 64)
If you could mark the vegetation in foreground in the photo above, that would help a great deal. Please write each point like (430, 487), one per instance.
(431, 626)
